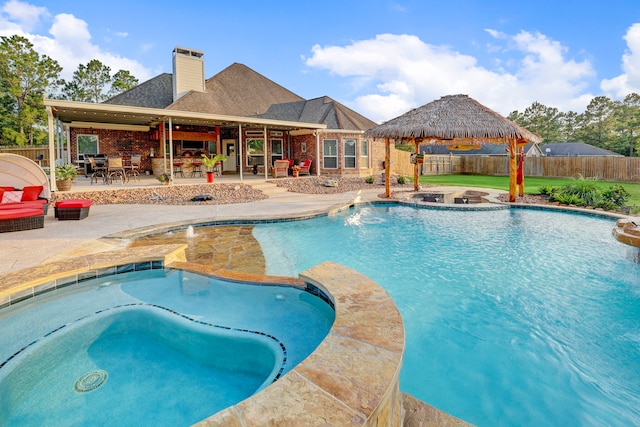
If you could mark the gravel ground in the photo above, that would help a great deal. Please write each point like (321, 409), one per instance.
(318, 185)
(220, 193)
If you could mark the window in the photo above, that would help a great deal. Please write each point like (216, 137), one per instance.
(330, 153)
(364, 154)
(276, 149)
(349, 153)
(87, 144)
(255, 151)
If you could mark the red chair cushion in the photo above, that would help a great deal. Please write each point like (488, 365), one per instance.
(73, 203)
(20, 213)
(31, 193)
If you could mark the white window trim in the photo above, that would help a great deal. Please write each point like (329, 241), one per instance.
(364, 159)
(324, 154)
(353, 156)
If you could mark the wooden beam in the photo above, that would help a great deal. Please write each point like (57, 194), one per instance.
(415, 166)
(521, 171)
(513, 169)
(387, 168)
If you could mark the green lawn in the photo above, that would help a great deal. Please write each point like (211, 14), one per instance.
(531, 184)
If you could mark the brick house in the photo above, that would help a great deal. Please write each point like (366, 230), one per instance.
(237, 112)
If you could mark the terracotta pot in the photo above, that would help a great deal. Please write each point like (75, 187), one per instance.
(209, 176)
(296, 174)
(64, 185)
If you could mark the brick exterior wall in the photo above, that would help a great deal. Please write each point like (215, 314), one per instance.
(125, 143)
(118, 142)
(376, 149)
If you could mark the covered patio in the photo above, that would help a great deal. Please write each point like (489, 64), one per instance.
(140, 126)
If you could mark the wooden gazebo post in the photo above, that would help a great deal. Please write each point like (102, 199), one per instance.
(513, 169)
(416, 141)
(387, 168)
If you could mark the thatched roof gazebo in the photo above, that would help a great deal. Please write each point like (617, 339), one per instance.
(454, 120)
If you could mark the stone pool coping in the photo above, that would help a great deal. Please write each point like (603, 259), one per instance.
(352, 378)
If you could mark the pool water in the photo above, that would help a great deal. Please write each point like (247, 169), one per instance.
(174, 347)
(513, 317)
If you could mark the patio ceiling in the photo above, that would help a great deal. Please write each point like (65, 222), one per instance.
(85, 112)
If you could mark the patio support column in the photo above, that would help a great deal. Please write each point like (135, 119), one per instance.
(240, 151)
(513, 169)
(387, 169)
(171, 148)
(52, 151)
(317, 133)
(266, 148)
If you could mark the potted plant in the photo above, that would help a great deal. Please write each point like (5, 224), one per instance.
(164, 178)
(210, 163)
(64, 176)
(295, 169)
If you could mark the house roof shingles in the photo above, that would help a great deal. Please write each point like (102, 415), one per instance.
(236, 91)
(322, 110)
(154, 93)
(240, 91)
(574, 149)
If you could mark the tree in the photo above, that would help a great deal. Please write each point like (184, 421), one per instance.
(543, 120)
(569, 128)
(627, 123)
(597, 122)
(26, 77)
(89, 83)
(122, 81)
(93, 83)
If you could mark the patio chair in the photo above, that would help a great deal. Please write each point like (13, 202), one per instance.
(305, 166)
(133, 168)
(280, 168)
(115, 170)
(99, 170)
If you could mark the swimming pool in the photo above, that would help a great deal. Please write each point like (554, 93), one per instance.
(513, 317)
(160, 346)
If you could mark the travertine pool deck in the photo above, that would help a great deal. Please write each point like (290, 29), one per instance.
(351, 379)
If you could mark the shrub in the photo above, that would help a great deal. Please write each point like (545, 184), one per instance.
(548, 190)
(567, 199)
(607, 205)
(402, 180)
(616, 194)
(369, 179)
(585, 189)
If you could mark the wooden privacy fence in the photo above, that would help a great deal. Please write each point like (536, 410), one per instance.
(433, 165)
(625, 169)
(29, 152)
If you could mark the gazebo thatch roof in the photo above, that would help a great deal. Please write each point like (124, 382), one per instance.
(452, 117)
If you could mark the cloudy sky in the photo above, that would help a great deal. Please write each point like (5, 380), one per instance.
(378, 57)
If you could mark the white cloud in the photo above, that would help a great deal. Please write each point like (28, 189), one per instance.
(629, 81)
(26, 15)
(69, 41)
(403, 72)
